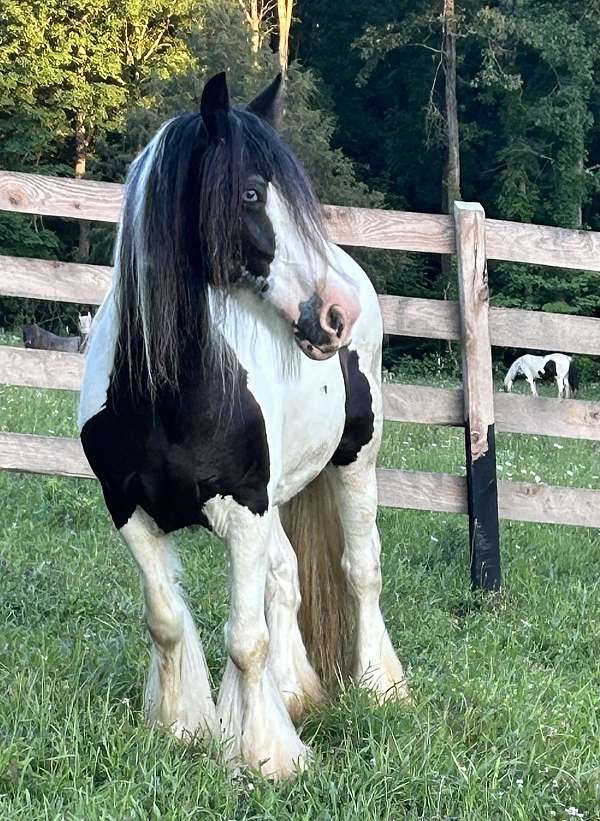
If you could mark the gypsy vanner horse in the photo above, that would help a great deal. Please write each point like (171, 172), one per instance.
(233, 380)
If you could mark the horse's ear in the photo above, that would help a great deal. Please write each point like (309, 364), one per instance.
(268, 104)
(214, 106)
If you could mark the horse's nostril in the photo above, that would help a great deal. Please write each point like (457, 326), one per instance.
(335, 320)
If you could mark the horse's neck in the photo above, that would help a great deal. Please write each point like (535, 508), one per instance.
(259, 338)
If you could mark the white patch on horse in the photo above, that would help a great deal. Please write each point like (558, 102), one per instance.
(296, 680)
(255, 725)
(178, 692)
(100, 355)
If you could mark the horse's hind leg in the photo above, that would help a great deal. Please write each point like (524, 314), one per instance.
(298, 683)
(254, 720)
(375, 664)
(177, 691)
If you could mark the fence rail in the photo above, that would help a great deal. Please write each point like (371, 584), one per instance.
(394, 230)
(425, 318)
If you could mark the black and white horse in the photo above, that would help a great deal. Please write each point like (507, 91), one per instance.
(557, 366)
(233, 380)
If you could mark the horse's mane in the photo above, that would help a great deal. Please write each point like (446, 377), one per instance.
(180, 234)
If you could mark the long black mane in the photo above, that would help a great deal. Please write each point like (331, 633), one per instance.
(181, 233)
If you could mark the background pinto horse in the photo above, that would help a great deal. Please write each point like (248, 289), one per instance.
(233, 380)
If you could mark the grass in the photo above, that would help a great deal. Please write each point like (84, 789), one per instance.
(505, 723)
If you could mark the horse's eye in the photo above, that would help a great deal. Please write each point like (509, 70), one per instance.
(250, 195)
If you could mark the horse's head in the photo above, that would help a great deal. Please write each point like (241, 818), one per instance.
(29, 335)
(84, 323)
(217, 202)
(281, 251)
(549, 370)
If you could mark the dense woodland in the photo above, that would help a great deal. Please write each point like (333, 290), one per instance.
(407, 104)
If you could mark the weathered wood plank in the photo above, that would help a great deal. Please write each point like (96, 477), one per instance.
(422, 491)
(404, 316)
(575, 419)
(543, 245)
(571, 418)
(394, 230)
(478, 394)
(425, 318)
(513, 328)
(43, 454)
(41, 369)
(430, 233)
(60, 196)
(549, 504)
(424, 405)
(55, 281)
(517, 501)
(26, 453)
(508, 327)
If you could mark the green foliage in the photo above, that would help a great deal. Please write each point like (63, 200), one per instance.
(528, 94)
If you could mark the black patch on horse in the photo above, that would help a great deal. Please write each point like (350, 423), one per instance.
(173, 455)
(358, 430)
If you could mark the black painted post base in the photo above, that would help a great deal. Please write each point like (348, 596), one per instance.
(484, 530)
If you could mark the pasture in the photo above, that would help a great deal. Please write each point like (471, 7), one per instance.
(505, 722)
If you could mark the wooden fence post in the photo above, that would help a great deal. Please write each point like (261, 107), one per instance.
(478, 388)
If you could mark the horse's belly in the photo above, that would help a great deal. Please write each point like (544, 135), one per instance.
(313, 423)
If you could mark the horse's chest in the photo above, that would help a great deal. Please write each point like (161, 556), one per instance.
(312, 423)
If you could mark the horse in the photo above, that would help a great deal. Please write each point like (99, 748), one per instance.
(232, 380)
(40, 338)
(557, 366)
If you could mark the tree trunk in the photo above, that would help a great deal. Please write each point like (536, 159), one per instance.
(579, 205)
(452, 176)
(81, 149)
(254, 18)
(451, 172)
(284, 15)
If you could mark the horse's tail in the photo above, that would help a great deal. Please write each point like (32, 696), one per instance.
(511, 374)
(573, 376)
(313, 526)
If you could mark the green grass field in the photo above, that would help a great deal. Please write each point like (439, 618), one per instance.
(506, 716)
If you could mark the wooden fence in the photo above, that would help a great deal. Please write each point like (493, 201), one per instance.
(469, 235)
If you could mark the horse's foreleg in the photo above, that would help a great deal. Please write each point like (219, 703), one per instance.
(562, 383)
(255, 724)
(298, 683)
(178, 690)
(375, 664)
(532, 385)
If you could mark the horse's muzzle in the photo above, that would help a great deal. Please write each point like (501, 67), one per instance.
(316, 352)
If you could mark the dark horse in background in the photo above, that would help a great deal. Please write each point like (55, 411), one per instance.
(41, 339)
(233, 381)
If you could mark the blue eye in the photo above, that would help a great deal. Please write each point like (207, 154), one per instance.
(250, 195)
